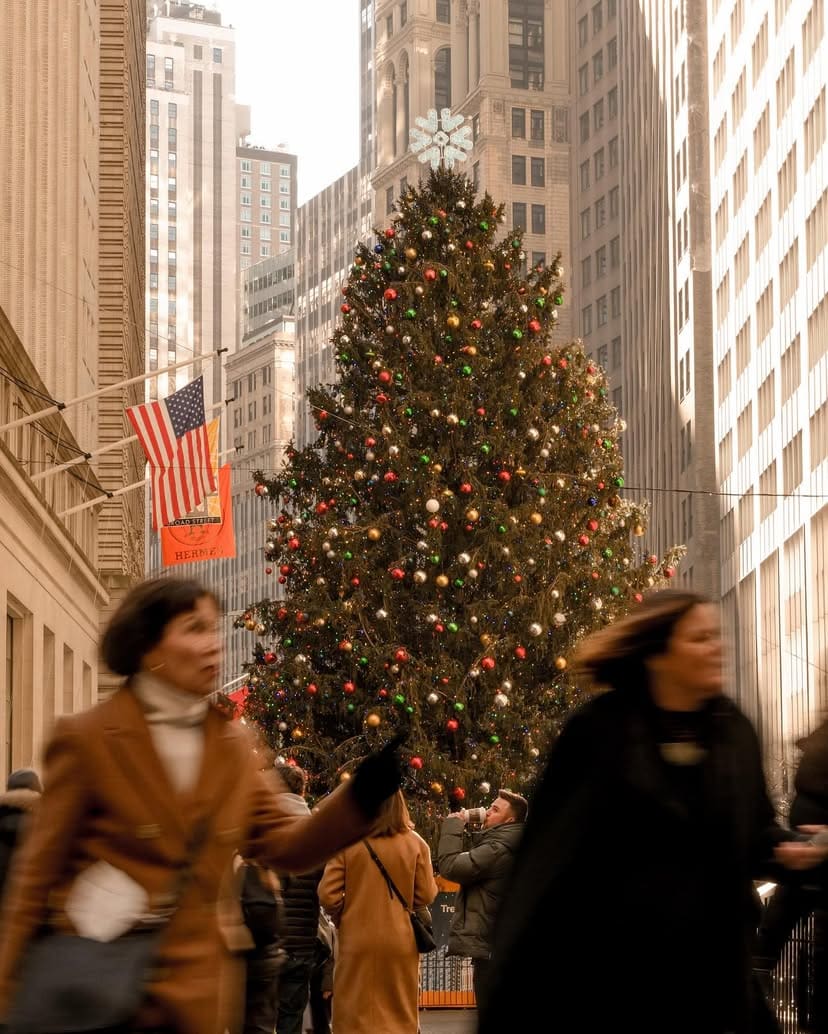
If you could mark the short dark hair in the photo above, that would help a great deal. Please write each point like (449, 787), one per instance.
(138, 625)
(24, 779)
(518, 804)
(294, 777)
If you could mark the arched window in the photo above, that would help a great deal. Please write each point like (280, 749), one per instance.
(442, 79)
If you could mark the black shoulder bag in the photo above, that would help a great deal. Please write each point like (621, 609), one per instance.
(420, 918)
(75, 985)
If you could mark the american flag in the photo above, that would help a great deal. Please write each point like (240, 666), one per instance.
(173, 435)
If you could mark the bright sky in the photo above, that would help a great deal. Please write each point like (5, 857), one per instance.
(297, 66)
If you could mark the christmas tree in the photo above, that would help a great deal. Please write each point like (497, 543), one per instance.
(456, 527)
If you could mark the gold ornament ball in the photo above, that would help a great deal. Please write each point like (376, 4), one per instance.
(437, 788)
(560, 663)
(485, 639)
(260, 630)
(441, 580)
(489, 266)
(297, 735)
(374, 534)
(345, 777)
(471, 349)
(638, 530)
(472, 515)
(250, 625)
(373, 720)
(411, 254)
(536, 518)
(437, 468)
(453, 321)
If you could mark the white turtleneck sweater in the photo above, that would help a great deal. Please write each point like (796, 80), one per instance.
(176, 725)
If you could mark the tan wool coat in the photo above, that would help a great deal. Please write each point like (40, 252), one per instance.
(376, 977)
(108, 798)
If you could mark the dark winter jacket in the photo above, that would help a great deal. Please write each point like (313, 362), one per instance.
(480, 863)
(300, 902)
(631, 903)
(810, 805)
(16, 809)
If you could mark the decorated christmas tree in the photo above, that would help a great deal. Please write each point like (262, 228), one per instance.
(457, 526)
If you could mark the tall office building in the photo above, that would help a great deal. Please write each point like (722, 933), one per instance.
(267, 203)
(769, 198)
(665, 302)
(268, 290)
(71, 322)
(192, 194)
(330, 224)
(504, 64)
(595, 208)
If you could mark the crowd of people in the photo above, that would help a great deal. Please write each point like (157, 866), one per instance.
(621, 894)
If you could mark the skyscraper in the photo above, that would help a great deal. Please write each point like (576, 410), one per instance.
(769, 199)
(267, 203)
(192, 194)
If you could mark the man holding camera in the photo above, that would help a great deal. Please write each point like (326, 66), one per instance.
(480, 863)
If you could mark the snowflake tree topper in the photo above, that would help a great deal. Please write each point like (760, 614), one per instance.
(441, 138)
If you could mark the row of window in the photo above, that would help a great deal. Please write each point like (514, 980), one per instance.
(537, 171)
(597, 263)
(265, 169)
(246, 216)
(265, 250)
(597, 166)
(602, 355)
(597, 66)
(597, 20)
(284, 202)
(599, 210)
(598, 115)
(442, 13)
(605, 308)
(172, 110)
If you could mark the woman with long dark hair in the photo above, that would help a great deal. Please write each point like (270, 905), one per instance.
(632, 904)
(151, 782)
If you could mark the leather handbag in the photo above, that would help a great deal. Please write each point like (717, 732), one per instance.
(76, 985)
(420, 917)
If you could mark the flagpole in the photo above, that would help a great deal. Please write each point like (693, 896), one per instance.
(61, 406)
(120, 491)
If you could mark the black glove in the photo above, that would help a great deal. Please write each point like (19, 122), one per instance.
(378, 777)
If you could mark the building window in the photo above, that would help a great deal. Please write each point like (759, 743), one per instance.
(264, 186)
(586, 321)
(246, 248)
(475, 128)
(613, 153)
(264, 168)
(217, 55)
(615, 252)
(444, 12)
(601, 262)
(284, 237)
(585, 175)
(597, 18)
(246, 199)
(586, 228)
(583, 31)
(264, 233)
(154, 109)
(284, 218)
(586, 271)
(538, 172)
(583, 80)
(246, 182)
(538, 259)
(264, 251)
(526, 46)
(519, 170)
(598, 66)
(614, 202)
(612, 102)
(583, 123)
(616, 352)
(150, 69)
(612, 52)
(601, 311)
(600, 211)
(403, 13)
(538, 218)
(246, 232)
(284, 188)
(246, 216)
(197, 51)
(284, 172)
(519, 123)
(612, 9)
(389, 200)
(246, 165)
(536, 126)
(442, 78)
(519, 215)
(598, 163)
(265, 202)
(615, 302)
(598, 114)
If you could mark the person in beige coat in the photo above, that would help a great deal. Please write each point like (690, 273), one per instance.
(127, 782)
(377, 963)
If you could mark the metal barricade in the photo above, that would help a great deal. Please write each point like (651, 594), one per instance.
(790, 990)
(445, 980)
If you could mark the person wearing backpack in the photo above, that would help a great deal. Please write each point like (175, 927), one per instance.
(301, 905)
(261, 907)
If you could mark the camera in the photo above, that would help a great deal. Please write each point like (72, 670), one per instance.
(476, 816)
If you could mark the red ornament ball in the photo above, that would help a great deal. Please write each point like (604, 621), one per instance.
(390, 233)
(416, 763)
(488, 664)
(390, 295)
(520, 653)
(269, 657)
(466, 488)
(401, 656)
(430, 274)
(348, 687)
(294, 543)
(268, 570)
(261, 489)
(285, 569)
(345, 308)
(458, 793)
(452, 725)
(534, 326)
(397, 574)
(390, 477)
(313, 689)
(669, 572)
(385, 376)
(504, 475)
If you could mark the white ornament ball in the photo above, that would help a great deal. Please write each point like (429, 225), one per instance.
(282, 726)
(473, 574)
(559, 618)
(473, 619)
(464, 558)
(393, 450)
(432, 505)
(598, 603)
(431, 618)
(461, 205)
(359, 475)
(453, 419)
(333, 533)
(501, 700)
(560, 536)
(407, 339)
(506, 551)
(545, 453)
(555, 594)
(535, 629)
(420, 577)
(348, 410)
(451, 247)
(534, 752)
(475, 673)
(382, 614)
(326, 546)
(485, 787)
(435, 413)
(522, 375)
(422, 546)
(418, 290)
(432, 698)
(426, 235)
(507, 686)
(390, 330)
(524, 309)
(370, 455)
(330, 555)
(533, 434)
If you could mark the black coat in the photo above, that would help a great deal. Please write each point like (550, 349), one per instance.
(632, 905)
(16, 808)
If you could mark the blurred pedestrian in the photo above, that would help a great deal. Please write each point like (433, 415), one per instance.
(795, 899)
(632, 901)
(263, 914)
(138, 783)
(376, 985)
(301, 908)
(480, 862)
(17, 807)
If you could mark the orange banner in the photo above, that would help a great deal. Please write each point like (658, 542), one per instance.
(185, 542)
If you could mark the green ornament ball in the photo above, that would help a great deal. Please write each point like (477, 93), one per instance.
(466, 371)
(425, 459)
(351, 708)
(517, 334)
(452, 626)
(459, 583)
(485, 449)
(494, 740)
(348, 554)
(459, 706)
(399, 699)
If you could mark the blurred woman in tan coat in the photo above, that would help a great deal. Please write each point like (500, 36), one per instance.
(376, 979)
(127, 782)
